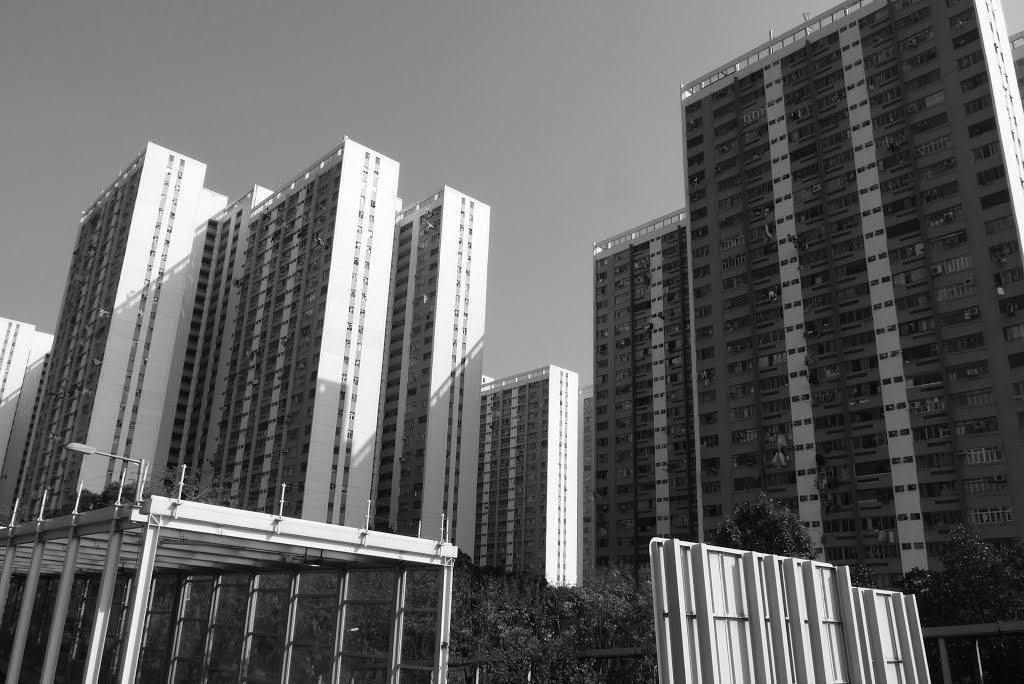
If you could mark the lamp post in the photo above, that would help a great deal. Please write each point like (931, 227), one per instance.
(87, 450)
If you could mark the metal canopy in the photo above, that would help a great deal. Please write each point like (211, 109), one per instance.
(201, 537)
(176, 536)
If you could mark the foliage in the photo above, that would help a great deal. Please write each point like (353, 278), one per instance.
(765, 526)
(980, 582)
(195, 488)
(862, 575)
(519, 628)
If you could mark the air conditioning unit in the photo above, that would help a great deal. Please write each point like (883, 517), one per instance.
(816, 187)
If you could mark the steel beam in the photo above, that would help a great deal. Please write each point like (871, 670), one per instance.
(444, 622)
(5, 576)
(141, 589)
(60, 610)
(28, 598)
(94, 658)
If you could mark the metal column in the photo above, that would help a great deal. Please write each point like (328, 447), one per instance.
(704, 612)
(777, 616)
(91, 673)
(903, 638)
(141, 589)
(814, 617)
(444, 622)
(397, 613)
(60, 609)
(289, 633)
(28, 597)
(5, 576)
(757, 619)
(803, 661)
(947, 676)
(851, 634)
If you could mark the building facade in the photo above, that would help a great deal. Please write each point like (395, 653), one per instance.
(212, 329)
(24, 353)
(526, 495)
(116, 365)
(855, 198)
(300, 288)
(585, 546)
(426, 463)
(644, 480)
(1017, 50)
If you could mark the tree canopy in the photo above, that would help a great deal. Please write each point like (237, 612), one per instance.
(765, 526)
(518, 628)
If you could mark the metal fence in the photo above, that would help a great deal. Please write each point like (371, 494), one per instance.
(728, 616)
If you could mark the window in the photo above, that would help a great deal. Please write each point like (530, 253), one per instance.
(1013, 332)
(991, 516)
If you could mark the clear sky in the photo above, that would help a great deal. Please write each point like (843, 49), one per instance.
(562, 115)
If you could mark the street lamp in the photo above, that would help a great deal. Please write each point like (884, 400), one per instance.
(87, 450)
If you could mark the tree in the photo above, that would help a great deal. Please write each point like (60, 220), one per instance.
(980, 582)
(765, 526)
(519, 628)
(862, 575)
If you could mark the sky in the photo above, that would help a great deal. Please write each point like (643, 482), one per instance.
(562, 115)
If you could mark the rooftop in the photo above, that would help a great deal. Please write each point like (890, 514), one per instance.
(203, 537)
(774, 45)
(641, 230)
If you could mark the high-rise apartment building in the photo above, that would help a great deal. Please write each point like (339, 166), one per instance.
(585, 540)
(429, 429)
(295, 327)
(23, 357)
(235, 340)
(223, 243)
(644, 484)
(526, 495)
(855, 197)
(116, 363)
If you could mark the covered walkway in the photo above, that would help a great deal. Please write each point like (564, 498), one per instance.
(177, 591)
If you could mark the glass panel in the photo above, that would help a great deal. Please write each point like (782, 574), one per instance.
(226, 648)
(371, 585)
(367, 628)
(112, 642)
(315, 618)
(310, 665)
(418, 632)
(187, 672)
(235, 579)
(165, 588)
(191, 639)
(271, 612)
(38, 631)
(221, 677)
(197, 597)
(151, 666)
(275, 581)
(356, 670)
(11, 610)
(422, 588)
(318, 583)
(266, 658)
(158, 631)
(232, 601)
(415, 676)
